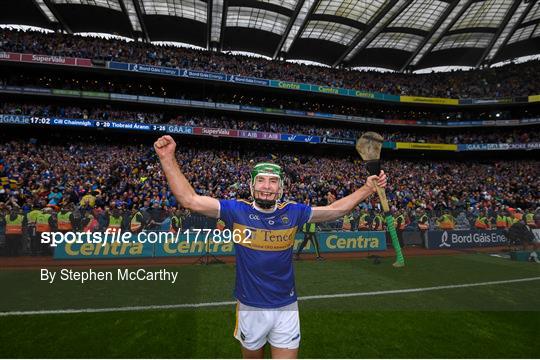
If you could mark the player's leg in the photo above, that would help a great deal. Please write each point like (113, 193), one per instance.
(284, 337)
(253, 354)
(280, 353)
(251, 330)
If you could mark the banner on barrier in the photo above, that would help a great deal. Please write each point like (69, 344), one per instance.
(153, 69)
(205, 75)
(493, 147)
(362, 94)
(429, 100)
(460, 239)
(124, 97)
(534, 98)
(251, 108)
(46, 59)
(64, 92)
(342, 241)
(493, 101)
(426, 146)
(249, 80)
(118, 65)
(400, 122)
(103, 251)
(177, 101)
(300, 138)
(216, 132)
(329, 90)
(247, 134)
(289, 85)
(227, 106)
(346, 241)
(338, 141)
(296, 112)
(10, 56)
(179, 129)
(95, 94)
(268, 136)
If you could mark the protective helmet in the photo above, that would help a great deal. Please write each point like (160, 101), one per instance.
(266, 169)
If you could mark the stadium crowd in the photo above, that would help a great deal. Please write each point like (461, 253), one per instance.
(289, 126)
(507, 81)
(105, 185)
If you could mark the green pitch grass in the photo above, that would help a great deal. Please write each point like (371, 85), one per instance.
(491, 321)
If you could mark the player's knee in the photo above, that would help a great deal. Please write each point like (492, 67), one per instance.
(252, 353)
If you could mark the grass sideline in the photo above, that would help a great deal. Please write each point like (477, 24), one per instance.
(471, 322)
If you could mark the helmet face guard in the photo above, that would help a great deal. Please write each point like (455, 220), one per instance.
(266, 169)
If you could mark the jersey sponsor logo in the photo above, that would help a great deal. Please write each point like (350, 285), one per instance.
(266, 240)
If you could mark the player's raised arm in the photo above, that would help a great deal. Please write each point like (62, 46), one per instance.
(183, 191)
(345, 205)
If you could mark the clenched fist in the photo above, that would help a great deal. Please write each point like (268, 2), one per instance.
(380, 180)
(165, 147)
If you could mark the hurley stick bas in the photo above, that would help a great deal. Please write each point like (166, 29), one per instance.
(369, 147)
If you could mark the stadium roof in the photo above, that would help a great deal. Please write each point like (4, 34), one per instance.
(395, 34)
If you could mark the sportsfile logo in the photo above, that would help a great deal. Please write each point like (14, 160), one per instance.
(444, 239)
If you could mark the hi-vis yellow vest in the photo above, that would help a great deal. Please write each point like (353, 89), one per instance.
(14, 227)
(378, 225)
(446, 223)
(135, 225)
(42, 223)
(115, 223)
(64, 224)
(346, 223)
(502, 222)
(423, 224)
(362, 222)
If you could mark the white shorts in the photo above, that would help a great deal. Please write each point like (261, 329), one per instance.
(255, 326)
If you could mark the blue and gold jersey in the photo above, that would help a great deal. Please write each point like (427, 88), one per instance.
(264, 267)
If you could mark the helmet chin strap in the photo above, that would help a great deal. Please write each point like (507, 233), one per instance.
(263, 203)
